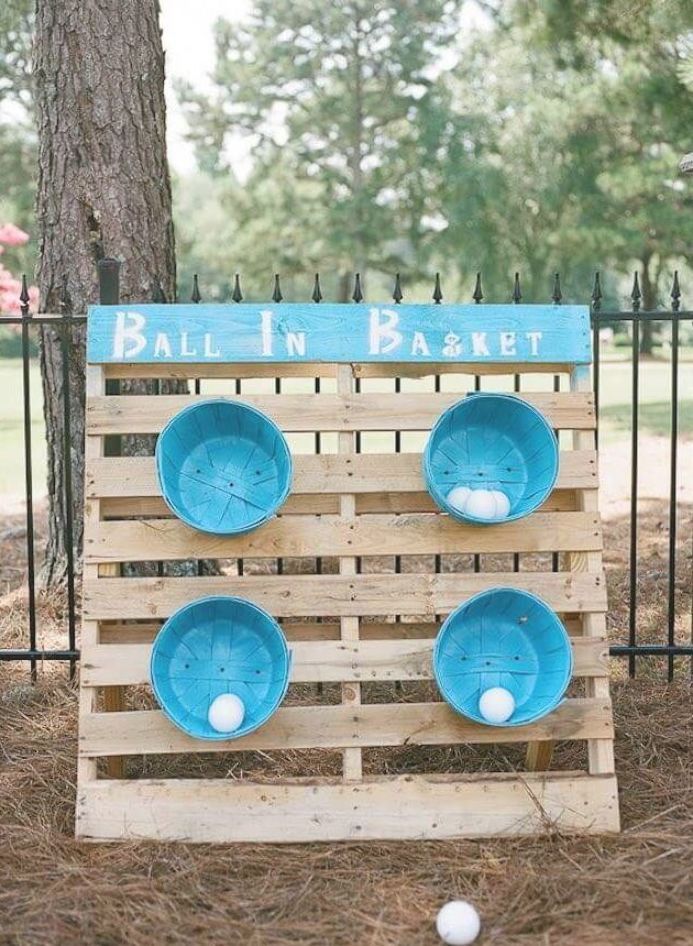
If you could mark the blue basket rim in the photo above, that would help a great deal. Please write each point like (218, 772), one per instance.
(441, 501)
(227, 599)
(535, 599)
(234, 403)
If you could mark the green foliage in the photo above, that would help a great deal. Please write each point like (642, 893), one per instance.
(11, 343)
(16, 23)
(383, 137)
(17, 132)
(592, 117)
(341, 105)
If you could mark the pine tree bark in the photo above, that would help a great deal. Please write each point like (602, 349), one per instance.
(104, 190)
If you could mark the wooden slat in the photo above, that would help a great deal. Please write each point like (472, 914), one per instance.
(138, 414)
(600, 752)
(362, 473)
(149, 507)
(208, 810)
(297, 536)
(322, 661)
(326, 370)
(340, 727)
(352, 761)
(336, 595)
(89, 630)
(144, 632)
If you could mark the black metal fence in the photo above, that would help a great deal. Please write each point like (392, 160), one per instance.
(65, 323)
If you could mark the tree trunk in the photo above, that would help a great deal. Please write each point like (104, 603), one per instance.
(649, 301)
(103, 190)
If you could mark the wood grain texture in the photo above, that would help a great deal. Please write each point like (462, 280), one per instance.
(600, 752)
(327, 412)
(321, 504)
(300, 536)
(321, 661)
(321, 369)
(294, 332)
(362, 473)
(336, 595)
(342, 506)
(144, 632)
(203, 810)
(340, 727)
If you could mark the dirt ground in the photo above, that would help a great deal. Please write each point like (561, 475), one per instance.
(635, 888)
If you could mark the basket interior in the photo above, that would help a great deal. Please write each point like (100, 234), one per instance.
(223, 467)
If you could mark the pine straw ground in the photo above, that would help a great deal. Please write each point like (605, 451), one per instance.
(635, 888)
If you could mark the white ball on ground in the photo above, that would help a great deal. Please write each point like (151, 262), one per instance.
(496, 705)
(457, 497)
(226, 713)
(458, 923)
(481, 504)
(502, 503)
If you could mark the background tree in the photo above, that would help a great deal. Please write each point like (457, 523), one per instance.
(17, 128)
(103, 191)
(603, 88)
(343, 109)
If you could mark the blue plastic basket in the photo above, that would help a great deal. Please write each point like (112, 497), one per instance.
(223, 467)
(503, 638)
(494, 442)
(219, 645)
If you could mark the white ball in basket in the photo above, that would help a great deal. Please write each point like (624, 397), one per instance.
(502, 503)
(458, 923)
(481, 504)
(226, 713)
(496, 705)
(457, 497)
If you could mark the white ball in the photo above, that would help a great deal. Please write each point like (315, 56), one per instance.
(226, 713)
(481, 504)
(457, 497)
(502, 503)
(496, 705)
(458, 923)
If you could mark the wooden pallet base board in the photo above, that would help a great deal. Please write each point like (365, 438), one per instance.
(405, 807)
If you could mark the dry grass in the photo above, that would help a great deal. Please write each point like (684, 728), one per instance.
(635, 888)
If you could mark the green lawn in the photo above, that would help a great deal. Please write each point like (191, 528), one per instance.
(655, 414)
(12, 431)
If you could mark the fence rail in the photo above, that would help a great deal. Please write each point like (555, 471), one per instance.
(635, 317)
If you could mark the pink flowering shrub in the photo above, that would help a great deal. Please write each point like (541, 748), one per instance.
(13, 236)
(10, 286)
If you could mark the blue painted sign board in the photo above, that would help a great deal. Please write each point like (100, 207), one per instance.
(152, 334)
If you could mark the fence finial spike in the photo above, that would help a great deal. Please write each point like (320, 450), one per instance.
(437, 291)
(636, 295)
(277, 294)
(517, 292)
(357, 294)
(478, 293)
(557, 295)
(237, 295)
(195, 295)
(597, 292)
(676, 292)
(317, 294)
(24, 294)
(397, 293)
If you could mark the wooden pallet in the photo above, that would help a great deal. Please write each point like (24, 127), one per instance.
(374, 630)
